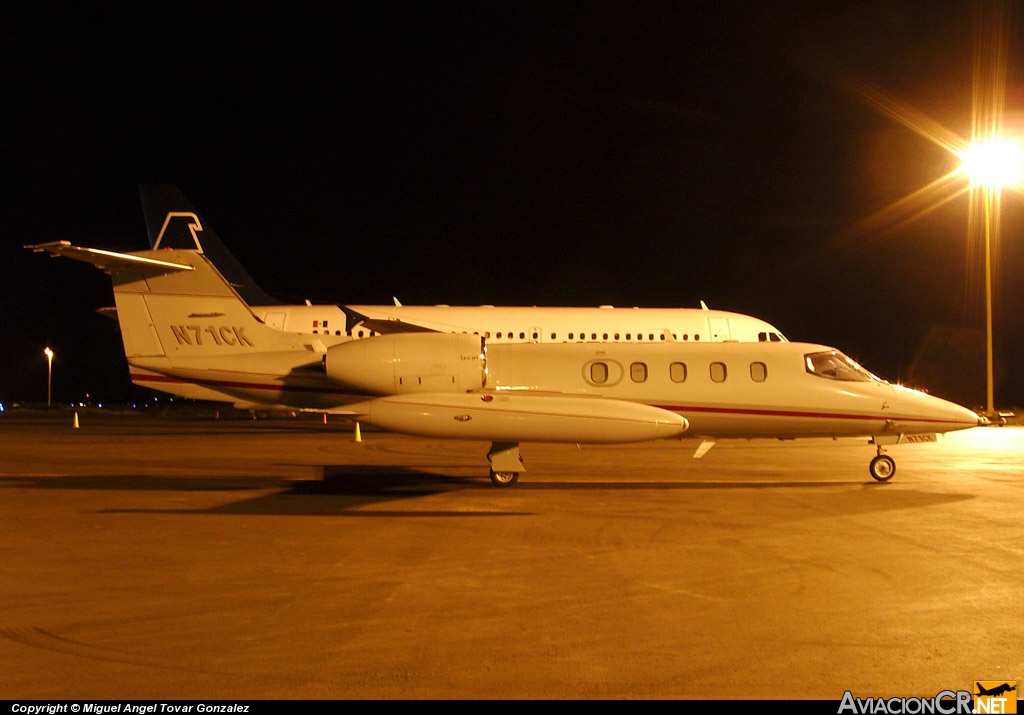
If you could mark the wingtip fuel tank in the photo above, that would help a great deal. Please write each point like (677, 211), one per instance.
(524, 417)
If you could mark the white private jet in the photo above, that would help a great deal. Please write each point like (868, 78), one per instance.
(173, 222)
(187, 331)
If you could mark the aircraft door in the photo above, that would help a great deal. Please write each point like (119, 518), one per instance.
(719, 329)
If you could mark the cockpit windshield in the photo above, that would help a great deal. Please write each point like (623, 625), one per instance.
(833, 365)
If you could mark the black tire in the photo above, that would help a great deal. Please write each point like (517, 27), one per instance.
(882, 468)
(504, 479)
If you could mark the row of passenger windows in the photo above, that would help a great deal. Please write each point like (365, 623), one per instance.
(510, 335)
(762, 337)
(535, 336)
(584, 336)
(601, 372)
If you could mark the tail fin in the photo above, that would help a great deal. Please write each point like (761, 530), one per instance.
(187, 315)
(186, 331)
(174, 304)
(172, 222)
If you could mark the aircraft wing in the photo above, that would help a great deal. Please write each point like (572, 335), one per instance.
(105, 260)
(381, 326)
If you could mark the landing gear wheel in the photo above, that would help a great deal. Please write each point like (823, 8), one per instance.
(882, 468)
(504, 479)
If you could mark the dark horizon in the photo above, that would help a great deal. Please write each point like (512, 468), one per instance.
(529, 155)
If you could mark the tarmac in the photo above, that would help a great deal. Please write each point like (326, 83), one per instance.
(148, 556)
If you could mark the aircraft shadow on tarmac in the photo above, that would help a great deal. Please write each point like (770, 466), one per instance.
(338, 493)
(347, 490)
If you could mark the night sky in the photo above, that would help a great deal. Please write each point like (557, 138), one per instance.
(547, 153)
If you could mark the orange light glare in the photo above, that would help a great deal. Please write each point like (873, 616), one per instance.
(994, 164)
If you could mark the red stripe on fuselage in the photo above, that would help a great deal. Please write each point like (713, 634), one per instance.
(679, 409)
(796, 414)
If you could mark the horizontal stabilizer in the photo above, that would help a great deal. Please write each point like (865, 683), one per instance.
(105, 260)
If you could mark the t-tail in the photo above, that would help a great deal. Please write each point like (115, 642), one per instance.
(187, 331)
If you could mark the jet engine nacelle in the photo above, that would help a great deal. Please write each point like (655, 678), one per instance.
(408, 362)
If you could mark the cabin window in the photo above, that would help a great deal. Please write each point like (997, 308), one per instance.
(638, 372)
(677, 371)
(570, 336)
(599, 373)
(522, 336)
(593, 336)
(553, 336)
(718, 372)
(616, 336)
(628, 336)
(758, 371)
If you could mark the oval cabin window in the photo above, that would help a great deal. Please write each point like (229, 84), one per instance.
(638, 372)
(677, 372)
(718, 372)
(758, 371)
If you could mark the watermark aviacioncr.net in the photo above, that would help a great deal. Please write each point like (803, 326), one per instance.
(988, 698)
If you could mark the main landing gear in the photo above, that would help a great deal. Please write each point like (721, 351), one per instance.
(882, 467)
(506, 463)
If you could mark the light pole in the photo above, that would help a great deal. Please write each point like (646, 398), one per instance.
(992, 165)
(49, 375)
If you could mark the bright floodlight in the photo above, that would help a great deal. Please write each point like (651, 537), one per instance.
(49, 375)
(997, 163)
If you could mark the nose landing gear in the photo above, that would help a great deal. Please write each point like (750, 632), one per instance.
(882, 467)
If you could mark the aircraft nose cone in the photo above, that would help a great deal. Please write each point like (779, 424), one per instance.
(934, 414)
(971, 418)
(952, 416)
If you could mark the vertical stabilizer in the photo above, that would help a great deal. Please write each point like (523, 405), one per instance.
(184, 315)
(186, 331)
(173, 222)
